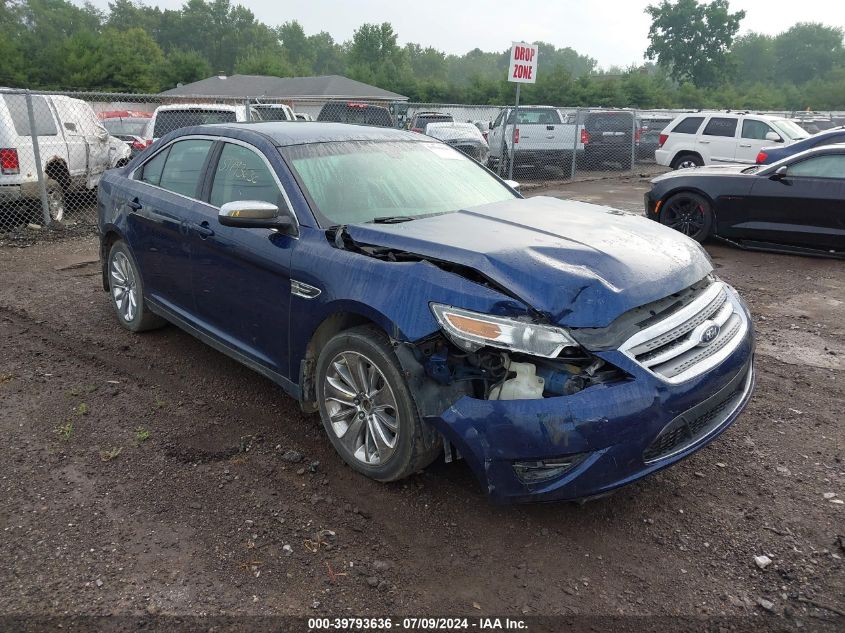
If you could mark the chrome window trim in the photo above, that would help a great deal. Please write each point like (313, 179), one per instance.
(222, 139)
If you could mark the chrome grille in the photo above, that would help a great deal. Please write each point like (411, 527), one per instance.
(694, 338)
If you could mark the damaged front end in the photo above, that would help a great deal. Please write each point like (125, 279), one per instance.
(541, 412)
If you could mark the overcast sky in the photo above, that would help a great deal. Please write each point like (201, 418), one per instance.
(614, 32)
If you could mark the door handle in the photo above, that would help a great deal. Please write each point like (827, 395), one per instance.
(135, 205)
(704, 142)
(203, 229)
(745, 144)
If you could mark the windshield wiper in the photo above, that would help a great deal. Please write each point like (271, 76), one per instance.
(391, 219)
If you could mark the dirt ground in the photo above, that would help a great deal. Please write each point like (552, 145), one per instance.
(149, 474)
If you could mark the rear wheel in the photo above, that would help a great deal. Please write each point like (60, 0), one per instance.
(687, 161)
(55, 200)
(689, 213)
(126, 290)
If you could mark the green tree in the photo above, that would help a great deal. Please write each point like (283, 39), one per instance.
(692, 39)
(753, 57)
(116, 61)
(183, 66)
(807, 51)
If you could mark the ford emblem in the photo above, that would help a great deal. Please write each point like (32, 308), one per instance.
(709, 334)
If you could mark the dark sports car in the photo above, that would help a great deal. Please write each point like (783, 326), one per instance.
(794, 205)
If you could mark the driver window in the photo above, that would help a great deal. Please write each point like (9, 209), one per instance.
(241, 174)
(832, 166)
(755, 130)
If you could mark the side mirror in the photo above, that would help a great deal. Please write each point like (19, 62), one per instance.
(780, 172)
(774, 137)
(253, 214)
(513, 184)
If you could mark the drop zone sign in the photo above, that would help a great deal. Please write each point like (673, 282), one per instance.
(523, 64)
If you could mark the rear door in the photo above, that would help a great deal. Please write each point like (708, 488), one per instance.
(241, 277)
(160, 198)
(718, 139)
(752, 140)
(806, 207)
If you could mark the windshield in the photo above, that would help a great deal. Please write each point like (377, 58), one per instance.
(133, 127)
(358, 181)
(169, 120)
(790, 130)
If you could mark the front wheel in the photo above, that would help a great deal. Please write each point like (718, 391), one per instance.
(689, 213)
(367, 409)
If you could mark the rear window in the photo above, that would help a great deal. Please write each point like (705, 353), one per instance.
(689, 125)
(269, 113)
(363, 114)
(548, 116)
(422, 121)
(169, 120)
(45, 124)
(124, 127)
(610, 122)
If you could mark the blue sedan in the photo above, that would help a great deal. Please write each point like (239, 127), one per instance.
(422, 307)
(775, 153)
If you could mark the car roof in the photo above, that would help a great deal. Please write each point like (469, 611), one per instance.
(284, 133)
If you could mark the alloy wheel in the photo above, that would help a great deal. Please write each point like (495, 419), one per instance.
(685, 215)
(123, 286)
(362, 408)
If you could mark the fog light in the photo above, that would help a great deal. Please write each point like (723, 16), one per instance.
(545, 470)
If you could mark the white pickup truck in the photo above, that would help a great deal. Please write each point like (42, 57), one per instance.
(544, 140)
(74, 147)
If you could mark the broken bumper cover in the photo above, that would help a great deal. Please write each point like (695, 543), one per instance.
(615, 433)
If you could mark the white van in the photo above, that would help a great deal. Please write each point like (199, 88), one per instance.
(74, 147)
(706, 138)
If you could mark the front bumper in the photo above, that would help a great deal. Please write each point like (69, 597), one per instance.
(616, 425)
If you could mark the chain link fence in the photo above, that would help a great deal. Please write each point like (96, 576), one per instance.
(54, 147)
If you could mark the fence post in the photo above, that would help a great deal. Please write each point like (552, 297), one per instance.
(575, 140)
(36, 152)
(634, 139)
(248, 113)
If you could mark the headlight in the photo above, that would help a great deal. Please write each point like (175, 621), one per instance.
(473, 330)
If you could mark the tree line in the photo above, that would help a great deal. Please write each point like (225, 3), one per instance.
(696, 58)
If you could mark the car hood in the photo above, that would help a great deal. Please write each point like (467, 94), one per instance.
(710, 170)
(581, 264)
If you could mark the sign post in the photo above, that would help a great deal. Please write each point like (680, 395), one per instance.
(521, 70)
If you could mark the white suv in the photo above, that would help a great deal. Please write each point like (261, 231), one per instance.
(706, 138)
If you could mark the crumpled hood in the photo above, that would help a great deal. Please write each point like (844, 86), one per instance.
(582, 264)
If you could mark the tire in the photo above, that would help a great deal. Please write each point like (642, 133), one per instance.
(626, 164)
(56, 200)
(690, 214)
(367, 409)
(687, 161)
(126, 291)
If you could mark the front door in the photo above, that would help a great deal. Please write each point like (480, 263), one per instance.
(752, 140)
(241, 276)
(806, 207)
